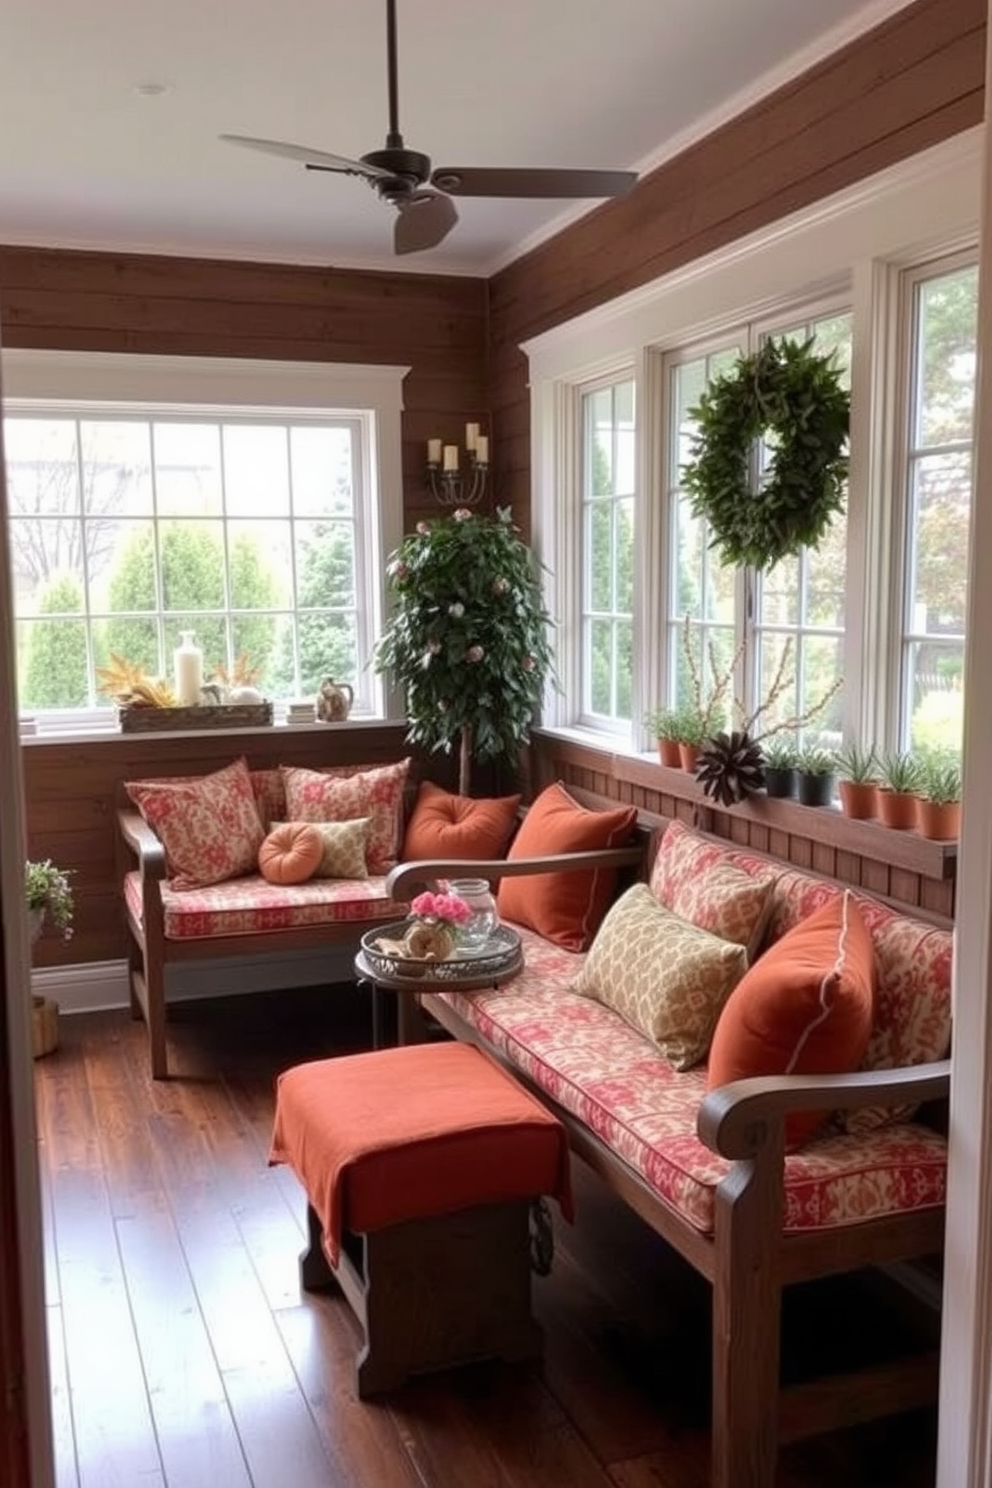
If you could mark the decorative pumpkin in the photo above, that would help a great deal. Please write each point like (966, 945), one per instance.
(291, 853)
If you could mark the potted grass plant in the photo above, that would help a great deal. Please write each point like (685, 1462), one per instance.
(781, 756)
(815, 775)
(857, 771)
(898, 783)
(665, 727)
(938, 800)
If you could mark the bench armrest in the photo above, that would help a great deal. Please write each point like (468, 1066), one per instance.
(737, 1120)
(143, 843)
(407, 878)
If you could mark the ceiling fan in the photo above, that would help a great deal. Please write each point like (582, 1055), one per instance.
(422, 196)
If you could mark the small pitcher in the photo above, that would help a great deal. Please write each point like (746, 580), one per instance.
(334, 701)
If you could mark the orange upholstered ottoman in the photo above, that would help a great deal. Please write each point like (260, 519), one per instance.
(419, 1164)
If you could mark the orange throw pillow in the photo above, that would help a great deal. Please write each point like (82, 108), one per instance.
(446, 826)
(291, 853)
(805, 1007)
(566, 908)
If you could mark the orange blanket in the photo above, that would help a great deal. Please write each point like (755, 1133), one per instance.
(405, 1133)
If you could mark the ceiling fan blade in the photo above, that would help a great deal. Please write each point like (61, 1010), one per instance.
(313, 159)
(425, 219)
(492, 181)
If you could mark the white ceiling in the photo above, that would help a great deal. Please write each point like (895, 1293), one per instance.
(89, 160)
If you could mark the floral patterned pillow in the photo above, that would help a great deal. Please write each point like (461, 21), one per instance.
(209, 825)
(313, 796)
(697, 881)
(663, 975)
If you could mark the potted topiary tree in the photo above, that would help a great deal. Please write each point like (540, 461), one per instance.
(467, 639)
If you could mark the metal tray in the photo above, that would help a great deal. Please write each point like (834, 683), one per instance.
(499, 956)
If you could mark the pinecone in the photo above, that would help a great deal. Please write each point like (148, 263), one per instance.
(730, 767)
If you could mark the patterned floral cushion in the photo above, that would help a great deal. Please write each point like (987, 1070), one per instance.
(314, 796)
(208, 825)
(662, 974)
(599, 1068)
(697, 879)
(250, 906)
(343, 847)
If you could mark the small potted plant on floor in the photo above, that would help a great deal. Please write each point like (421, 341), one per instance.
(781, 756)
(857, 769)
(815, 774)
(665, 726)
(938, 802)
(898, 781)
(49, 901)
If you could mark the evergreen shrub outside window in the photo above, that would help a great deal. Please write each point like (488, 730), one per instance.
(468, 638)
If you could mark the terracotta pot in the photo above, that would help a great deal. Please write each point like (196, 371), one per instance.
(858, 799)
(940, 821)
(896, 808)
(689, 756)
(668, 753)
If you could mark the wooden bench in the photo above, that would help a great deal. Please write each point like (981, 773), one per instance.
(746, 1254)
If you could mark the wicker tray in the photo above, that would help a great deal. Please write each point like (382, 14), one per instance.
(500, 957)
(145, 720)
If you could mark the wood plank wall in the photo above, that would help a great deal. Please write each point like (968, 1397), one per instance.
(434, 324)
(913, 81)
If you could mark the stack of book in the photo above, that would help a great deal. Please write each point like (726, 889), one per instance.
(297, 713)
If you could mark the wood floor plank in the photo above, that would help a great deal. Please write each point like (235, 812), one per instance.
(63, 1436)
(199, 1442)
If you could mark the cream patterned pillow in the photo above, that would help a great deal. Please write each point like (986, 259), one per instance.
(344, 847)
(665, 976)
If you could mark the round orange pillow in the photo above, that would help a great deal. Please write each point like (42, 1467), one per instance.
(291, 853)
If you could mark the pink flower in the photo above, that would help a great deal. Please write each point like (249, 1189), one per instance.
(446, 907)
(462, 514)
(423, 529)
(456, 610)
(474, 653)
(442, 706)
(398, 569)
(529, 663)
(500, 585)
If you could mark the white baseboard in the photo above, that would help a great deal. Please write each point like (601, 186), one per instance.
(93, 986)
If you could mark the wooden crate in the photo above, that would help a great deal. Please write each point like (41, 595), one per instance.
(139, 719)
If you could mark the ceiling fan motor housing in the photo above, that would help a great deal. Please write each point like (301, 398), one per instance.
(407, 169)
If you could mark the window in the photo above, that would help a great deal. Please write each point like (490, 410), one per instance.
(782, 629)
(258, 529)
(941, 311)
(608, 553)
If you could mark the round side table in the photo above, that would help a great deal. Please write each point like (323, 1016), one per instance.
(391, 978)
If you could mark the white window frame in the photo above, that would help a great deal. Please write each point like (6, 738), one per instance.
(212, 387)
(851, 247)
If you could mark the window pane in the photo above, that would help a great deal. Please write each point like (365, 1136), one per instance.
(52, 658)
(325, 565)
(42, 467)
(187, 469)
(117, 470)
(256, 474)
(935, 681)
(600, 555)
(947, 356)
(192, 556)
(259, 564)
(322, 471)
(939, 548)
(601, 658)
(607, 601)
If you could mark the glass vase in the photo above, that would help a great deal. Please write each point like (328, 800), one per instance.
(474, 935)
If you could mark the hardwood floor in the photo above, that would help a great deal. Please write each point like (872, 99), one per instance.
(183, 1354)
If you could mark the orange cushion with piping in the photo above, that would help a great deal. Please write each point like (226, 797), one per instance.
(410, 1132)
(566, 908)
(443, 825)
(805, 1007)
(291, 853)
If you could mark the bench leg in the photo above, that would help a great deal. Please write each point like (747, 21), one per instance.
(747, 1306)
(316, 1272)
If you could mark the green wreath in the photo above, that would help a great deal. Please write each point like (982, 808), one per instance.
(788, 394)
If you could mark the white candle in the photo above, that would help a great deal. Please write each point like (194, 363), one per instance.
(433, 451)
(188, 663)
(482, 449)
(451, 457)
(471, 435)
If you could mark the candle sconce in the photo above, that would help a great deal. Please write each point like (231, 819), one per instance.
(449, 483)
